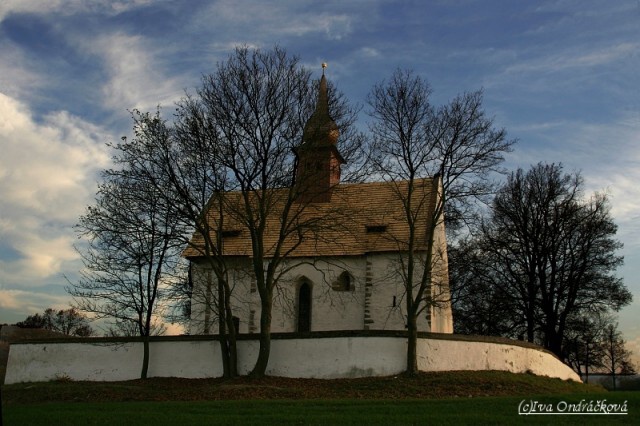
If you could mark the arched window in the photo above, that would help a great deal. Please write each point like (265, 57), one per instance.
(304, 307)
(343, 283)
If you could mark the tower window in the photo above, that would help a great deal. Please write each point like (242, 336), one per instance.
(231, 233)
(376, 229)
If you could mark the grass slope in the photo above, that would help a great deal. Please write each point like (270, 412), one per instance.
(430, 398)
(425, 385)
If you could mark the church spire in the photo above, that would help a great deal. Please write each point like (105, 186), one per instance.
(318, 157)
(321, 129)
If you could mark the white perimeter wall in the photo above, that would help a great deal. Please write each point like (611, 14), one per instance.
(330, 357)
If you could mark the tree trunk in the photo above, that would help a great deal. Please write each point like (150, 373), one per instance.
(531, 321)
(145, 357)
(232, 351)
(613, 360)
(222, 331)
(412, 345)
(260, 367)
(613, 376)
(553, 341)
(224, 352)
(586, 364)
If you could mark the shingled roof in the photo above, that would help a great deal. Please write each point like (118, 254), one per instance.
(360, 218)
(334, 219)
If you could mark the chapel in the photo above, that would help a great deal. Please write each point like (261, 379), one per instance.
(346, 275)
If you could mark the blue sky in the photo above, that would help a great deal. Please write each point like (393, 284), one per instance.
(560, 75)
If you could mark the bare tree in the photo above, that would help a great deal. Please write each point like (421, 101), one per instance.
(456, 145)
(230, 161)
(179, 160)
(257, 103)
(550, 254)
(616, 358)
(131, 247)
(583, 350)
(479, 307)
(69, 322)
(179, 296)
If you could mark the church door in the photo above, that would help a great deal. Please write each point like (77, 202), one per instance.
(304, 308)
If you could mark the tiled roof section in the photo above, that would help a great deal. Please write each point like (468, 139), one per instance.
(361, 218)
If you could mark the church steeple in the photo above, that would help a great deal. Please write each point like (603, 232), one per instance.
(321, 129)
(318, 157)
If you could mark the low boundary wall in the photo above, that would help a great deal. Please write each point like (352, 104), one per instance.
(317, 355)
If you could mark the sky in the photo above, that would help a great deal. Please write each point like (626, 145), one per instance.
(561, 76)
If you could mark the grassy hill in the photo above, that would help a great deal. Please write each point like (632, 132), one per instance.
(460, 398)
(425, 385)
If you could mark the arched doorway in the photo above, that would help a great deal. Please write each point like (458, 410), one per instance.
(304, 308)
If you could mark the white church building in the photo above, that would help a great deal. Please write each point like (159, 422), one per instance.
(351, 278)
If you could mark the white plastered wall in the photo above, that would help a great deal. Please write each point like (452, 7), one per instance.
(441, 312)
(329, 357)
(331, 309)
(383, 301)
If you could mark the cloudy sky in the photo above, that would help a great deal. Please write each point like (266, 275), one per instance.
(560, 75)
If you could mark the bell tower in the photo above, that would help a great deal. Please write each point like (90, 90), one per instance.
(319, 161)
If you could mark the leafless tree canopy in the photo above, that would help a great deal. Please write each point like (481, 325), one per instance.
(70, 322)
(616, 357)
(457, 141)
(456, 145)
(226, 161)
(130, 246)
(545, 257)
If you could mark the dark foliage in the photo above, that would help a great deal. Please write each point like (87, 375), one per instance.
(69, 322)
(545, 257)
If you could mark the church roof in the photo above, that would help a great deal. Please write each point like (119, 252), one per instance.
(360, 218)
(337, 219)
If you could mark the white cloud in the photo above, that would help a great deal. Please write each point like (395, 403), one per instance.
(136, 77)
(335, 26)
(16, 76)
(68, 7)
(370, 52)
(609, 158)
(26, 303)
(43, 256)
(279, 19)
(48, 176)
(575, 58)
(607, 155)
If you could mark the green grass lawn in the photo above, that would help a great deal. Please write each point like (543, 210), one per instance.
(459, 411)
(458, 398)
